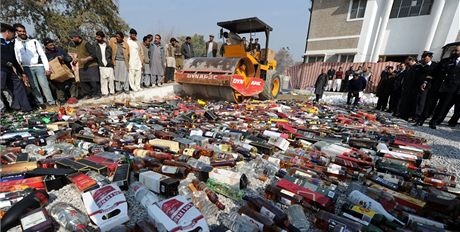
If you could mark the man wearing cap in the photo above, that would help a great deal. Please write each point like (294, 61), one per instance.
(170, 60)
(423, 78)
(449, 90)
(32, 57)
(211, 47)
(88, 67)
(67, 89)
(136, 61)
(10, 69)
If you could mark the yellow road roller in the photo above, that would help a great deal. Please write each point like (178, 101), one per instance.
(237, 75)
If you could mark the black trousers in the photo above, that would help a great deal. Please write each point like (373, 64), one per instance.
(394, 101)
(443, 107)
(454, 119)
(10, 81)
(382, 103)
(407, 104)
(352, 94)
(90, 89)
(420, 103)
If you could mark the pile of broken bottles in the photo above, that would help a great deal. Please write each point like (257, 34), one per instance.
(256, 166)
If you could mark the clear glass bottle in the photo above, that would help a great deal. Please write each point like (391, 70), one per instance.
(69, 217)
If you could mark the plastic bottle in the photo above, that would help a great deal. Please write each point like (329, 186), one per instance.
(143, 195)
(236, 223)
(69, 217)
(297, 218)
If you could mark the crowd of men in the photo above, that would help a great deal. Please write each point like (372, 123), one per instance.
(418, 90)
(414, 91)
(107, 65)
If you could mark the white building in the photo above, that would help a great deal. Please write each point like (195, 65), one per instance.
(389, 30)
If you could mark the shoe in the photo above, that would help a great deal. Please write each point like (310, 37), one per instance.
(97, 97)
(156, 85)
(451, 125)
(432, 125)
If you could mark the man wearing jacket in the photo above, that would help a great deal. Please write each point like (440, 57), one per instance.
(10, 69)
(32, 57)
(211, 47)
(120, 59)
(67, 89)
(104, 60)
(187, 48)
(146, 74)
(449, 90)
(88, 69)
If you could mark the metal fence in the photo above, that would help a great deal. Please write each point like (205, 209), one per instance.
(304, 75)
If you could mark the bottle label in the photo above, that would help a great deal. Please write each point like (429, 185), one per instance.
(369, 213)
(331, 194)
(169, 169)
(258, 224)
(33, 220)
(267, 212)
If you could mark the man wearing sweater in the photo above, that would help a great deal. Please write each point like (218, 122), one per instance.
(32, 57)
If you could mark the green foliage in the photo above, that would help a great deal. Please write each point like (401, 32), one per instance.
(57, 18)
(199, 45)
(283, 60)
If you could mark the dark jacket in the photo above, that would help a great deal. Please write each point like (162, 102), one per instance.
(450, 71)
(357, 85)
(320, 84)
(186, 52)
(108, 55)
(8, 58)
(330, 74)
(385, 86)
(51, 54)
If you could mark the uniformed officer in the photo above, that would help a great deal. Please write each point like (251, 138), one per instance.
(406, 104)
(423, 78)
(10, 69)
(450, 87)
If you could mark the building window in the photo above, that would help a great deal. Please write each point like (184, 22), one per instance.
(345, 58)
(409, 8)
(357, 9)
(313, 59)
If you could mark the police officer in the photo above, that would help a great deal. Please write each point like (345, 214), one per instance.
(406, 106)
(423, 78)
(10, 69)
(450, 87)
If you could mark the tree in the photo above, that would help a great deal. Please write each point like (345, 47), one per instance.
(57, 18)
(283, 60)
(198, 43)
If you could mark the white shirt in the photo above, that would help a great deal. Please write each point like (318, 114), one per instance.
(103, 46)
(210, 50)
(134, 57)
(457, 61)
(28, 51)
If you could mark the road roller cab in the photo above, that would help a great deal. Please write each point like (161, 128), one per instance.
(238, 74)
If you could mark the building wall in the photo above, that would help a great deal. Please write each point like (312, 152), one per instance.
(332, 44)
(329, 19)
(397, 40)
